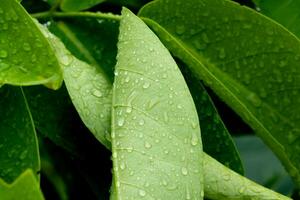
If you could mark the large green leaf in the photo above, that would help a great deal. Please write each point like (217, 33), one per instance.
(216, 139)
(156, 144)
(75, 5)
(89, 89)
(256, 76)
(18, 142)
(222, 183)
(284, 12)
(25, 187)
(26, 57)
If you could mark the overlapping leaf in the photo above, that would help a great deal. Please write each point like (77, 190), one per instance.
(25, 187)
(256, 76)
(156, 144)
(222, 183)
(216, 139)
(75, 5)
(26, 57)
(89, 89)
(284, 12)
(18, 142)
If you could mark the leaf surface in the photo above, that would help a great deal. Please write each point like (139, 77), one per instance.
(156, 143)
(25, 187)
(223, 183)
(26, 57)
(284, 12)
(89, 89)
(76, 5)
(257, 76)
(216, 139)
(18, 142)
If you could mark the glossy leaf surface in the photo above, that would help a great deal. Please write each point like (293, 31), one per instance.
(284, 12)
(25, 187)
(23, 62)
(156, 144)
(75, 5)
(223, 183)
(216, 139)
(257, 76)
(18, 142)
(89, 89)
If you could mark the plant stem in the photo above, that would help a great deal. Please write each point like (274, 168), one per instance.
(97, 15)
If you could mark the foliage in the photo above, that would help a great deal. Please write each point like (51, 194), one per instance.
(151, 86)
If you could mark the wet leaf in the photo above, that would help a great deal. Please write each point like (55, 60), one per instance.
(216, 139)
(25, 187)
(256, 76)
(23, 62)
(223, 183)
(18, 142)
(89, 89)
(156, 143)
(284, 12)
(75, 5)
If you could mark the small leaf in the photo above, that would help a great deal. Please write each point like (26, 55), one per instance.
(89, 89)
(156, 144)
(256, 76)
(284, 12)
(18, 142)
(76, 5)
(223, 183)
(25, 187)
(23, 62)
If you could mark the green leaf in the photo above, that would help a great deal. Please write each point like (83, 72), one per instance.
(156, 144)
(89, 89)
(91, 40)
(76, 5)
(256, 76)
(223, 183)
(23, 62)
(54, 116)
(216, 139)
(18, 142)
(284, 12)
(25, 187)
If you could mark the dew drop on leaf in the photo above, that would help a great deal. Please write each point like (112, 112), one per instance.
(3, 54)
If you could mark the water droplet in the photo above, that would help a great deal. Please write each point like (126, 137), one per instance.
(194, 140)
(141, 122)
(184, 171)
(129, 109)
(97, 93)
(127, 79)
(180, 29)
(122, 166)
(26, 46)
(241, 190)
(142, 193)
(147, 145)
(121, 121)
(3, 54)
(146, 85)
(222, 54)
(66, 59)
